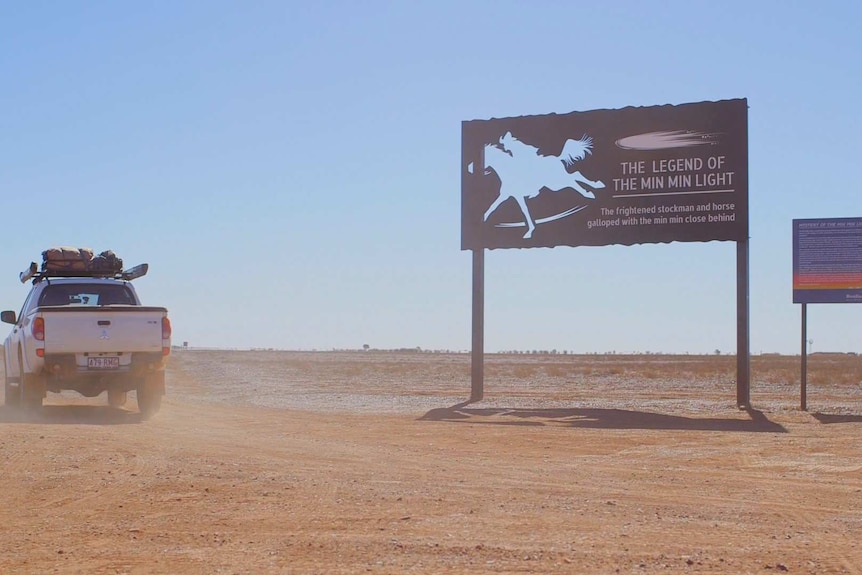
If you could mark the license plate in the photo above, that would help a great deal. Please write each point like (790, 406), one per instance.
(103, 362)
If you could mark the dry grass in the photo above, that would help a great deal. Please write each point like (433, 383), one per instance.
(406, 381)
(825, 369)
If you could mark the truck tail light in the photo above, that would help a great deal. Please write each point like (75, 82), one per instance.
(166, 334)
(39, 329)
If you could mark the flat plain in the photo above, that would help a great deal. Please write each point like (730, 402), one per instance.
(375, 462)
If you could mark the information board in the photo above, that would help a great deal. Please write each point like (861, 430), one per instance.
(827, 260)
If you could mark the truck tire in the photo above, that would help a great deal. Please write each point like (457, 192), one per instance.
(13, 392)
(32, 391)
(31, 388)
(12, 386)
(117, 397)
(150, 391)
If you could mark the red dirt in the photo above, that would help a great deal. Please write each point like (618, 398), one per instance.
(278, 462)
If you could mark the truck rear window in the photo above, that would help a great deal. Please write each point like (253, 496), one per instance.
(86, 294)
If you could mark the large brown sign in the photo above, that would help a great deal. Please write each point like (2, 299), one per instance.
(635, 175)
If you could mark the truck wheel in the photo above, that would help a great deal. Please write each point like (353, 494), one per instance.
(13, 392)
(32, 391)
(150, 391)
(31, 388)
(116, 397)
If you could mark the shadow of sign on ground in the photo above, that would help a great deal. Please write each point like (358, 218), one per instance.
(599, 418)
(829, 418)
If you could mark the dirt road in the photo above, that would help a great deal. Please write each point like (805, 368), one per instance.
(366, 463)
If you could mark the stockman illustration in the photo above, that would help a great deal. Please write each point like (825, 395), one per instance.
(524, 173)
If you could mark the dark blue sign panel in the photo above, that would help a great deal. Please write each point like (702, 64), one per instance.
(635, 175)
(827, 260)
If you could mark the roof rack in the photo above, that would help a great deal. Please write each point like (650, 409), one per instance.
(33, 272)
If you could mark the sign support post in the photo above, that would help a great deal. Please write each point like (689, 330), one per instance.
(743, 348)
(477, 373)
(803, 392)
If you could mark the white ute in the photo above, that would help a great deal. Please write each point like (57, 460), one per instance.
(88, 332)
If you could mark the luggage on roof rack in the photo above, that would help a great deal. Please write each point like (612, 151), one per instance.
(106, 261)
(64, 258)
(80, 262)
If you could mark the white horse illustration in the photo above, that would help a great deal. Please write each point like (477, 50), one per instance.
(524, 173)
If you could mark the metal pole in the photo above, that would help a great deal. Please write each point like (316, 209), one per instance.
(803, 392)
(477, 390)
(743, 348)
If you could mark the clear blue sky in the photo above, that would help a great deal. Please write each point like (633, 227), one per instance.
(290, 170)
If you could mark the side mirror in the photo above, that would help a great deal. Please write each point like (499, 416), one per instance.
(8, 317)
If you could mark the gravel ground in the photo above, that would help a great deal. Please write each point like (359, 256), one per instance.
(405, 382)
(372, 462)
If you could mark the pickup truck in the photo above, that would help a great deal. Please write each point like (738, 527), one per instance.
(86, 332)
